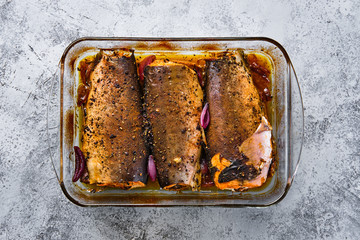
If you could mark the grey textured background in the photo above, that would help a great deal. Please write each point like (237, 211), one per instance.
(321, 37)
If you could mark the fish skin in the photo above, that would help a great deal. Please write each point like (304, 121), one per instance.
(173, 102)
(113, 140)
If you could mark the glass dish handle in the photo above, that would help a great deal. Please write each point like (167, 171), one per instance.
(296, 124)
(53, 123)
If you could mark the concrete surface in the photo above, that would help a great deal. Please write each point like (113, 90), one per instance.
(321, 37)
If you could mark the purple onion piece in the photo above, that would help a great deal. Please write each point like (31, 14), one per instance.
(199, 72)
(151, 168)
(79, 164)
(205, 116)
(148, 60)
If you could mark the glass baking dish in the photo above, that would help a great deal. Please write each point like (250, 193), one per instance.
(286, 118)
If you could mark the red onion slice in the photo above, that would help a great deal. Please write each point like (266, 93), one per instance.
(205, 116)
(199, 73)
(142, 66)
(76, 171)
(151, 168)
(259, 69)
(79, 164)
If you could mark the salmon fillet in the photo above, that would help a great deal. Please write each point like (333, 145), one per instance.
(113, 141)
(239, 135)
(173, 101)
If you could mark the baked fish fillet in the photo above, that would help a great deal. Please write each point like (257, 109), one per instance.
(239, 135)
(113, 141)
(173, 100)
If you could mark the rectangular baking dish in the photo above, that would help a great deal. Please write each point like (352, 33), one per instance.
(286, 118)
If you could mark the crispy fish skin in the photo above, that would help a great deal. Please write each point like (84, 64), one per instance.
(236, 112)
(173, 101)
(113, 141)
